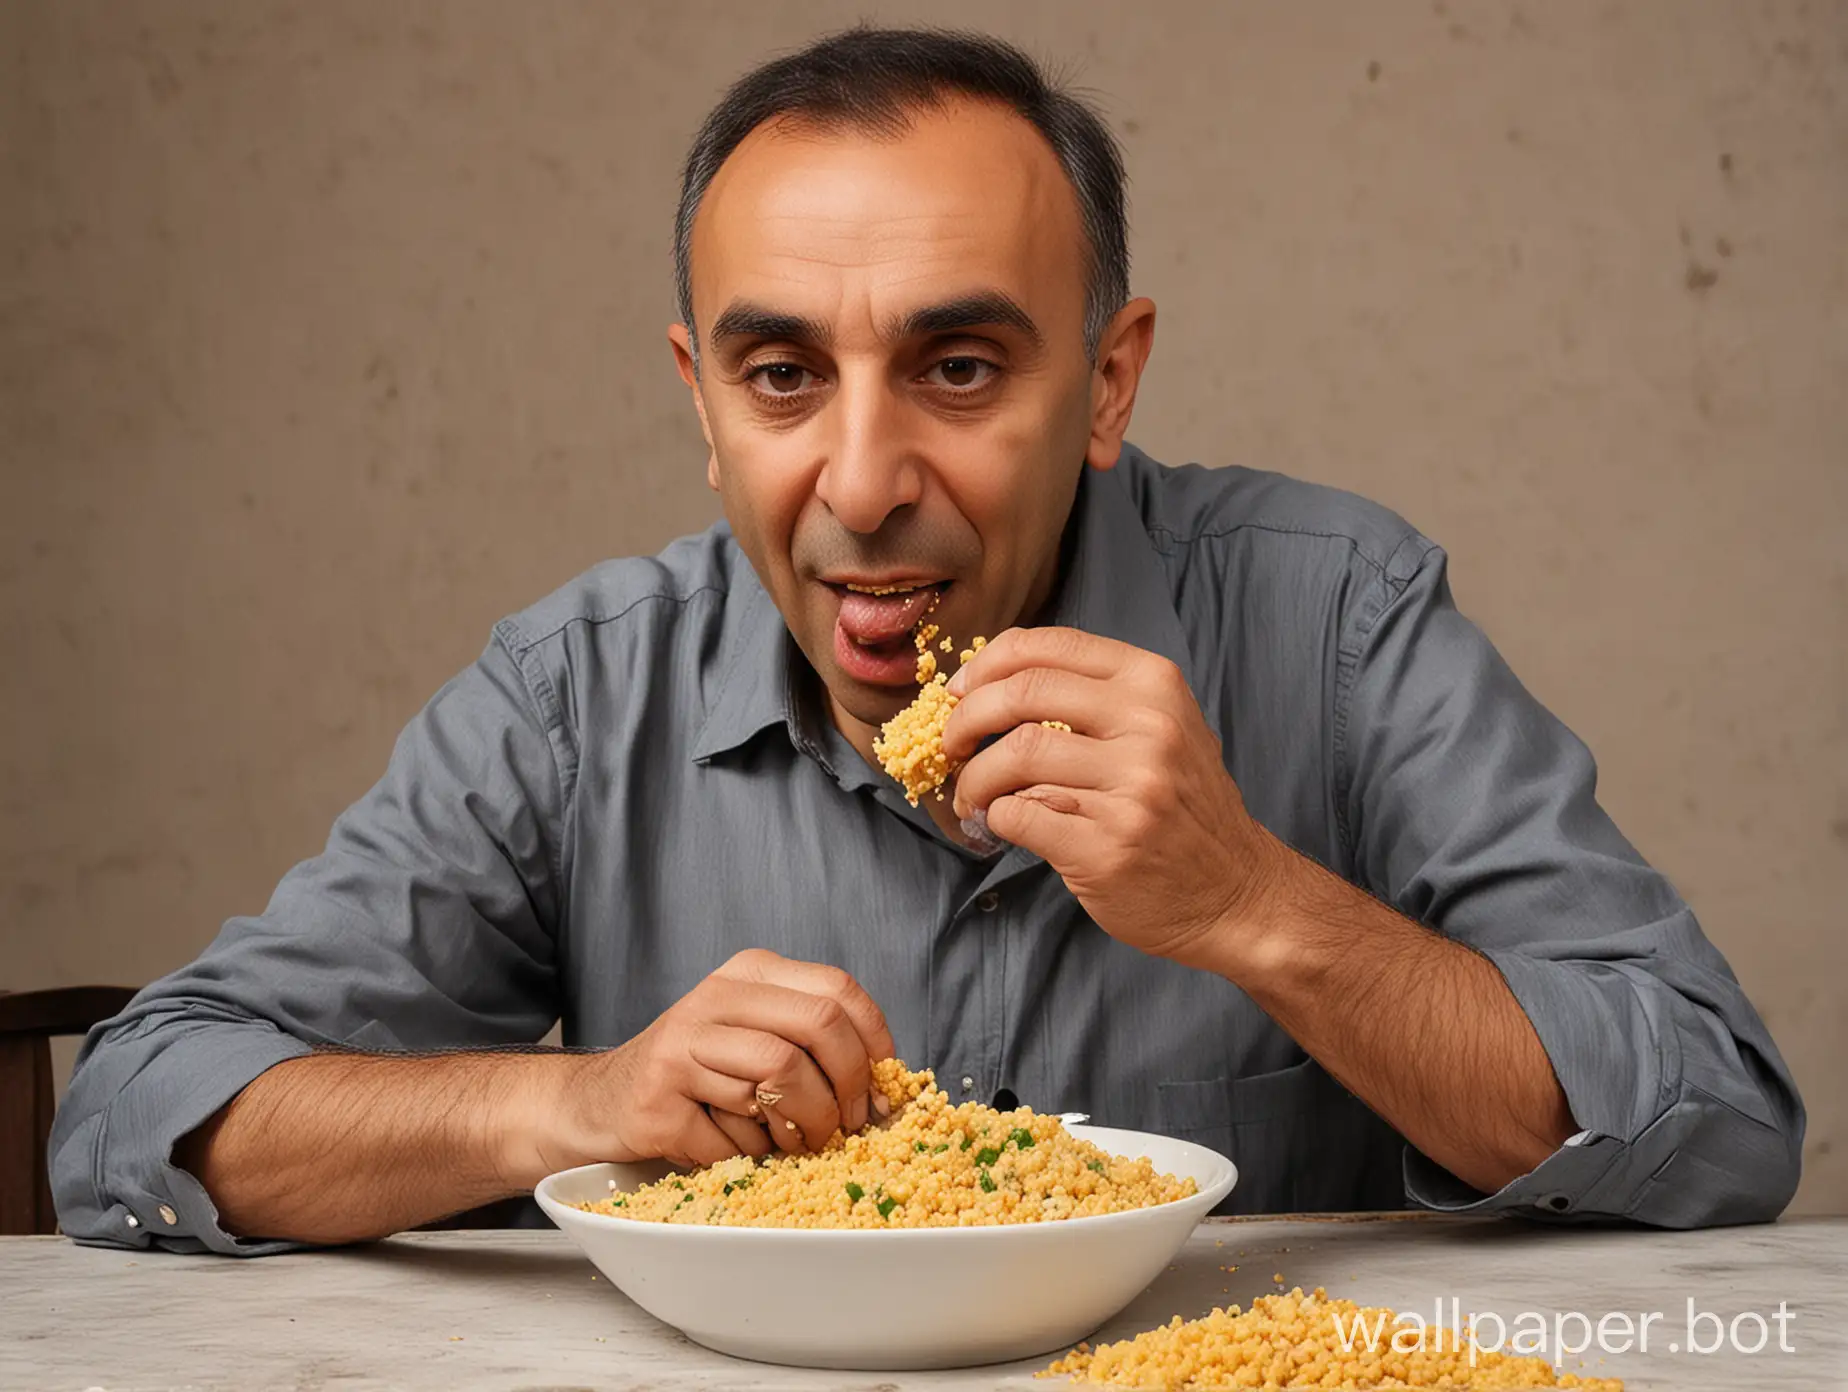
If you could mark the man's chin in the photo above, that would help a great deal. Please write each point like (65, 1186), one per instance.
(870, 705)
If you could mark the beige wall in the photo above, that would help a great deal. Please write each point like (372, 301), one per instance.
(329, 333)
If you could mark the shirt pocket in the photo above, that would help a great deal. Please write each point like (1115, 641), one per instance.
(1302, 1142)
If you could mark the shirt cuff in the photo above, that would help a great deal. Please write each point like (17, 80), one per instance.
(142, 1198)
(1564, 1185)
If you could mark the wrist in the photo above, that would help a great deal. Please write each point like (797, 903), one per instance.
(1259, 933)
(531, 1127)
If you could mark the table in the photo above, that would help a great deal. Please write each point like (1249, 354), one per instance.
(523, 1310)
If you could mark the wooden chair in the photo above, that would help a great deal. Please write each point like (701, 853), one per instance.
(28, 1021)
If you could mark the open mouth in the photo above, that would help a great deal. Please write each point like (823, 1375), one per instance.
(875, 622)
(882, 589)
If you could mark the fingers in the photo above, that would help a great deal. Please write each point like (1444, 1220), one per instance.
(1089, 705)
(804, 1111)
(703, 1142)
(1068, 649)
(817, 1025)
(733, 1106)
(819, 979)
(745, 1133)
(1048, 821)
(1027, 755)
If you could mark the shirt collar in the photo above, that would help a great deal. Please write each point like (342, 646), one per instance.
(1114, 586)
(757, 686)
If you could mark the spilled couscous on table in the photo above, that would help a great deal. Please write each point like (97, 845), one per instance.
(1299, 1340)
(934, 1165)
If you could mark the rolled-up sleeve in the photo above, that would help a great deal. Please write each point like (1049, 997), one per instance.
(428, 922)
(1469, 807)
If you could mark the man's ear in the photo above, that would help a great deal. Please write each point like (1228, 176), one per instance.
(683, 361)
(1122, 353)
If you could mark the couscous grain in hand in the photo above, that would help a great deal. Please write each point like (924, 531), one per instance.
(933, 1165)
(909, 746)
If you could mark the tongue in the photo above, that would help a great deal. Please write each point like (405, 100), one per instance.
(874, 619)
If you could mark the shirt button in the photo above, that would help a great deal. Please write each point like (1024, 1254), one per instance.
(989, 902)
(1559, 1203)
(168, 1216)
(968, 1085)
(132, 1221)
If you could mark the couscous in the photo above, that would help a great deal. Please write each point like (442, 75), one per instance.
(933, 1165)
(909, 746)
(1298, 1340)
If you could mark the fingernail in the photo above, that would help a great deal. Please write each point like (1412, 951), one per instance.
(958, 684)
(881, 1105)
(855, 1116)
(981, 840)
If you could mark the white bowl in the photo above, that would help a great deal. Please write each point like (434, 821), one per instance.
(908, 1298)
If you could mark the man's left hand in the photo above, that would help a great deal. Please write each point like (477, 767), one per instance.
(1132, 806)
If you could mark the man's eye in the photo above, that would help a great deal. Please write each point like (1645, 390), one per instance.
(780, 379)
(963, 374)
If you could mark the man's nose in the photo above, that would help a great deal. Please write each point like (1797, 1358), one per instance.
(872, 468)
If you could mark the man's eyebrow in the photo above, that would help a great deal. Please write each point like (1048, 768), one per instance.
(742, 319)
(976, 310)
(980, 308)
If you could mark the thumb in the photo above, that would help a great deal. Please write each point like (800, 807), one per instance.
(1040, 819)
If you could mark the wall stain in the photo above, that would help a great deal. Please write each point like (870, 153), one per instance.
(1700, 277)
(1373, 71)
(163, 82)
(382, 376)
(1796, 50)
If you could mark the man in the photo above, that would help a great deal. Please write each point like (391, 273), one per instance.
(1310, 877)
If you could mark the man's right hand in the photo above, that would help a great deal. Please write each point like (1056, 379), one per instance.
(688, 1087)
(342, 1147)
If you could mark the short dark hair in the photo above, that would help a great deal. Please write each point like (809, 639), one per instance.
(873, 80)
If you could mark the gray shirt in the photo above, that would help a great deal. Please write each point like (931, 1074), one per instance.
(635, 781)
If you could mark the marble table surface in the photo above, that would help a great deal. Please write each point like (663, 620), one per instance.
(522, 1311)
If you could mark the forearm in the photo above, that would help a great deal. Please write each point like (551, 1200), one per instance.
(339, 1147)
(1422, 1029)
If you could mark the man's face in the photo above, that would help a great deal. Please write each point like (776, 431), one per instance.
(893, 381)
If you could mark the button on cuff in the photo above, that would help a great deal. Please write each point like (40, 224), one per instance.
(1561, 1185)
